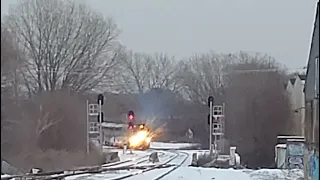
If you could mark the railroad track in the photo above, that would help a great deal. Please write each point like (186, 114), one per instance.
(127, 164)
(123, 165)
(174, 168)
(161, 165)
(130, 163)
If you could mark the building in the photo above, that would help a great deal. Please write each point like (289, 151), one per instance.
(112, 128)
(294, 88)
(311, 88)
(113, 132)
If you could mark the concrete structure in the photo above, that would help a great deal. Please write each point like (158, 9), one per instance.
(294, 88)
(113, 131)
(311, 88)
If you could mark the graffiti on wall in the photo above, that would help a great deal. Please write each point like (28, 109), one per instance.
(295, 152)
(314, 166)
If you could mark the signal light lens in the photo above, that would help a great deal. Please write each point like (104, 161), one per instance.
(130, 117)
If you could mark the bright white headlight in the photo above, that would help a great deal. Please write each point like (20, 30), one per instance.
(148, 139)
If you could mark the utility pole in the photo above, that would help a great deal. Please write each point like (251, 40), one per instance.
(315, 107)
(210, 104)
(87, 129)
(100, 103)
(131, 120)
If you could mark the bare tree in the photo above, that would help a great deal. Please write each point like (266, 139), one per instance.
(10, 63)
(257, 108)
(141, 72)
(67, 44)
(134, 72)
(164, 74)
(203, 76)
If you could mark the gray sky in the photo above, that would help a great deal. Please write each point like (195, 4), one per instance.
(281, 28)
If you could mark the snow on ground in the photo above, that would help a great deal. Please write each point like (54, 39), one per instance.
(276, 174)
(101, 176)
(163, 145)
(134, 156)
(128, 156)
(120, 173)
(5, 175)
(144, 161)
(192, 173)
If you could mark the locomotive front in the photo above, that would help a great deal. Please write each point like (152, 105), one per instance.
(141, 138)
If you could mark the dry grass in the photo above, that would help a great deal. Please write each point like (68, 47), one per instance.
(204, 159)
(53, 160)
(34, 142)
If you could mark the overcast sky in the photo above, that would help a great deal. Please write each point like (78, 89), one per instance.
(281, 28)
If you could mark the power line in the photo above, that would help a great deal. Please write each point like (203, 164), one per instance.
(257, 70)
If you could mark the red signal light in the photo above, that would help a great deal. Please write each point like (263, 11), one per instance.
(130, 125)
(131, 115)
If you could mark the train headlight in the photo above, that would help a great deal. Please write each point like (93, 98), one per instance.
(137, 139)
(148, 139)
(142, 135)
(134, 141)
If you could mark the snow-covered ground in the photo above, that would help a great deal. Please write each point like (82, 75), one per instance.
(5, 175)
(162, 145)
(184, 172)
(138, 160)
(194, 173)
(190, 173)
(128, 156)
(276, 174)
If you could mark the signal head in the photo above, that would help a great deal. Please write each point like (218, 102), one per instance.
(100, 99)
(130, 125)
(131, 115)
(210, 100)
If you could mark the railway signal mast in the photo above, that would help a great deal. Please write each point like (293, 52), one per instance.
(130, 128)
(130, 120)
(210, 104)
(95, 118)
(216, 126)
(100, 103)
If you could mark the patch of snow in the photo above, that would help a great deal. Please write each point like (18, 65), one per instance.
(101, 176)
(134, 156)
(113, 125)
(276, 174)
(281, 146)
(5, 175)
(128, 156)
(163, 145)
(191, 173)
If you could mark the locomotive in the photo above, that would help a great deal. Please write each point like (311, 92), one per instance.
(139, 137)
